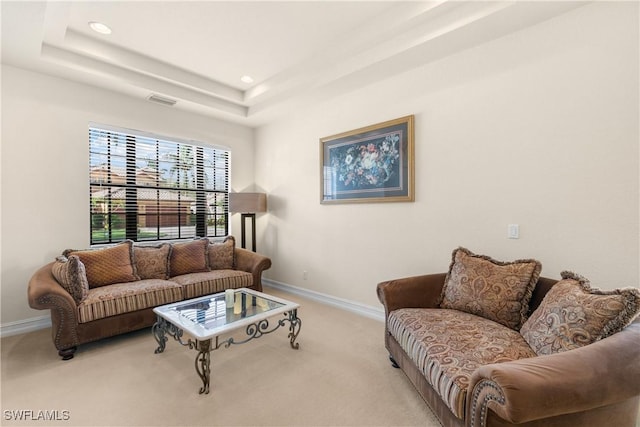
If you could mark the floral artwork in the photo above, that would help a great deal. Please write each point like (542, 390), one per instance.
(367, 165)
(373, 164)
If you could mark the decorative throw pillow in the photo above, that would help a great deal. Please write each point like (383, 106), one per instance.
(152, 262)
(189, 257)
(106, 266)
(573, 314)
(496, 290)
(71, 275)
(222, 255)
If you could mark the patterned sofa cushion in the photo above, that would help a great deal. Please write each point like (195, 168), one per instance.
(121, 298)
(496, 290)
(70, 273)
(211, 282)
(448, 346)
(189, 257)
(106, 266)
(222, 255)
(152, 262)
(573, 314)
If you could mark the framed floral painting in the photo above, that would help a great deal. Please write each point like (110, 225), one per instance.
(371, 164)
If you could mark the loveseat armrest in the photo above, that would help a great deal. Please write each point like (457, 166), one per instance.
(45, 293)
(605, 373)
(411, 292)
(253, 263)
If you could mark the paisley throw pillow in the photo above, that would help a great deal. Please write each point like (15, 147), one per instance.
(496, 290)
(573, 314)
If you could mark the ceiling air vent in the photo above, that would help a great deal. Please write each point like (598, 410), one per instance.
(162, 100)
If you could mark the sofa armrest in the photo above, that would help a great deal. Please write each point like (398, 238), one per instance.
(45, 293)
(411, 292)
(253, 263)
(44, 289)
(600, 374)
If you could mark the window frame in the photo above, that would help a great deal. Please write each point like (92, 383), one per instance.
(192, 204)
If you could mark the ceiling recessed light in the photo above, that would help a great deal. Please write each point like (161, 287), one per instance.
(99, 27)
(246, 79)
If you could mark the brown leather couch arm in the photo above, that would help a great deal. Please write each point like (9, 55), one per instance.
(253, 263)
(45, 293)
(604, 373)
(411, 292)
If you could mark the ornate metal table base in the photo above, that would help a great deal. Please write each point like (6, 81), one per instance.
(203, 362)
(162, 328)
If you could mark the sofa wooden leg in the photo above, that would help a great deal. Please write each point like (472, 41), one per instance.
(67, 353)
(393, 362)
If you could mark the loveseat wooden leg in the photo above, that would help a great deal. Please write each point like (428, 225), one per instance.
(393, 362)
(67, 353)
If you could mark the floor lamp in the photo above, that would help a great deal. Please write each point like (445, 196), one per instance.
(248, 204)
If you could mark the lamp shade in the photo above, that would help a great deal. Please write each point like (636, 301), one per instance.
(247, 202)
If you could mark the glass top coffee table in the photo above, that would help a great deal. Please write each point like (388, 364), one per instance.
(206, 318)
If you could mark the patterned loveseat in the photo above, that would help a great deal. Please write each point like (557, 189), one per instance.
(98, 293)
(493, 344)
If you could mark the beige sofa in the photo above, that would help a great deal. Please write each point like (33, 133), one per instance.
(572, 359)
(98, 293)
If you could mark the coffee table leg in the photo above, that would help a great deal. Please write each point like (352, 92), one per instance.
(159, 330)
(203, 364)
(294, 328)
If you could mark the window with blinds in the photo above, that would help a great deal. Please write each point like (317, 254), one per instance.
(144, 187)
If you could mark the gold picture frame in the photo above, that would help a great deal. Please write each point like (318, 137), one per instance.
(369, 165)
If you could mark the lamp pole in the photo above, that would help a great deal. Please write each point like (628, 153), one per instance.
(248, 204)
(244, 217)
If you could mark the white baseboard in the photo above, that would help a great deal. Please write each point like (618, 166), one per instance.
(24, 326)
(37, 323)
(354, 307)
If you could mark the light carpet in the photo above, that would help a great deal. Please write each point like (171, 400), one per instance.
(340, 376)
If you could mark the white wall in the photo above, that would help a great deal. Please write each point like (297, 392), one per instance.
(539, 128)
(45, 167)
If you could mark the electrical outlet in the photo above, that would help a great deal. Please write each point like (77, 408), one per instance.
(305, 275)
(513, 231)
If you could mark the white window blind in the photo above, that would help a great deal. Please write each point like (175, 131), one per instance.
(144, 187)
